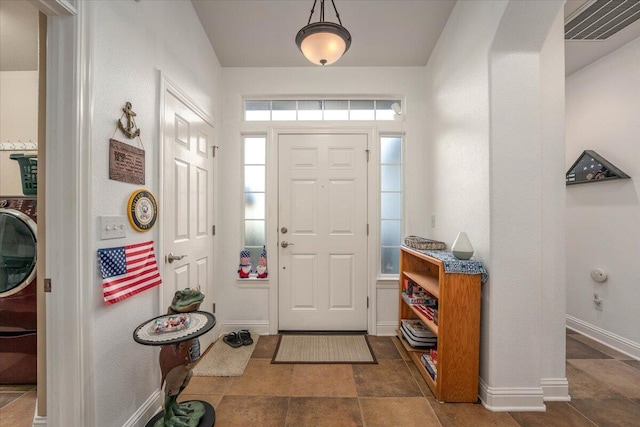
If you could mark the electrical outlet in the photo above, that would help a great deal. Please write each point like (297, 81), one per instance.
(113, 227)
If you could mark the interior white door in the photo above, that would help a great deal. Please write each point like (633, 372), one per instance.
(187, 205)
(322, 232)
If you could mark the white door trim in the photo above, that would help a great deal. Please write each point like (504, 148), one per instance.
(167, 85)
(69, 246)
(272, 216)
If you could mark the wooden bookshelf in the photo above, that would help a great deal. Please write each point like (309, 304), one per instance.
(458, 328)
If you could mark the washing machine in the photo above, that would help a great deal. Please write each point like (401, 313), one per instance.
(18, 312)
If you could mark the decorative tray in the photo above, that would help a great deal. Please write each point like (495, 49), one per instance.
(198, 323)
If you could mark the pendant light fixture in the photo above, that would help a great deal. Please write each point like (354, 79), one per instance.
(323, 42)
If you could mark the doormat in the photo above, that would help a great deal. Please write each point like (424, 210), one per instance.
(222, 360)
(323, 349)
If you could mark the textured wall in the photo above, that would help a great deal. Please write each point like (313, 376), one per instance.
(18, 122)
(131, 41)
(603, 219)
(489, 80)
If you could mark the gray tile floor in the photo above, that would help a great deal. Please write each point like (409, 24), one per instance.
(604, 386)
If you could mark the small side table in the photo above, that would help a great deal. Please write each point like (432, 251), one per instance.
(180, 350)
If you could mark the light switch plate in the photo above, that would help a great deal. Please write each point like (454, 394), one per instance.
(113, 227)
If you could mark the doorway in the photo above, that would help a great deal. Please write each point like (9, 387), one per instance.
(322, 231)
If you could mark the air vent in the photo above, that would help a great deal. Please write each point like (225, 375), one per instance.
(600, 19)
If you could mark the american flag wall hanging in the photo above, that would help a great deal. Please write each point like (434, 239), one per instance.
(128, 270)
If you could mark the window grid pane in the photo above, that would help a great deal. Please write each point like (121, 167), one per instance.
(255, 193)
(316, 109)
(390, 203)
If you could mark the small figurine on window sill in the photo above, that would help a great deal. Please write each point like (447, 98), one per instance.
(261, 269)
(244, 269)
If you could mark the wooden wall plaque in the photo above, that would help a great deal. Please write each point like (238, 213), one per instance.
(126, 162)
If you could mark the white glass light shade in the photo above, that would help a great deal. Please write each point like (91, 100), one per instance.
(323, 43)
(323, 48)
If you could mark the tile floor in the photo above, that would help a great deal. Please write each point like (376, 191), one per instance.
(604, 386)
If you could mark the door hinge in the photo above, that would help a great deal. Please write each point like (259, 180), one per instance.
(213, 230)
(47, 285)
(213, 309)
(368, 153)
(213, 149)
(367, 229)
(367, 302)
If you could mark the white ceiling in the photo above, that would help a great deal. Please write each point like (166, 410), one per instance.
(261, 33)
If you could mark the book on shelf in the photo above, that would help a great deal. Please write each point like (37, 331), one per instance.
(429, 365)
(426, 312)
(418, 342)
(418, 298)
(433, 353)
(426, 339)
(411, 287)
(417, 328)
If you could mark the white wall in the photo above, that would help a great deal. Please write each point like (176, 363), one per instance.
(603, 218)
(240, 303)
(18, 123)
(130, 42)
(492, 93)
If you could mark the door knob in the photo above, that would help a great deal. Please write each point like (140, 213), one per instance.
(284, 244)
(171, 257)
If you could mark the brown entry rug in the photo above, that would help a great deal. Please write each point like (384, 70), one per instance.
(323, 349)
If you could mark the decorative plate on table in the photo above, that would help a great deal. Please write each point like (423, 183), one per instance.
(199, 323)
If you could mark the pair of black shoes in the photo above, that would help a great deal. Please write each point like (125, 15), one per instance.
(238, 339)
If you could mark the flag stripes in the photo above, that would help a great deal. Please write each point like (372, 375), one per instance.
(139, 266)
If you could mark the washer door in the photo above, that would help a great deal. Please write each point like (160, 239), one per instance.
(17, 251)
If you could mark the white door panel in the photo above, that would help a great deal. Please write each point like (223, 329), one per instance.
(323, 205)
(187, 208)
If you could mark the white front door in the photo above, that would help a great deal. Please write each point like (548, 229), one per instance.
(322, 230)
(187, 208)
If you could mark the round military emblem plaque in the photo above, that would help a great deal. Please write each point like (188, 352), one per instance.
(142, 210)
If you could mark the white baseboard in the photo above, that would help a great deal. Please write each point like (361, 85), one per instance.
(386, 328)
(555, 389)
(616, 342)
(148, 409)
(514, 399)
(38, 421)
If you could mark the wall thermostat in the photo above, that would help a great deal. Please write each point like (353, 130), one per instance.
(599, 275)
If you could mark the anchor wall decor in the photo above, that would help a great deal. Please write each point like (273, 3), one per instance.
(130, 130)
